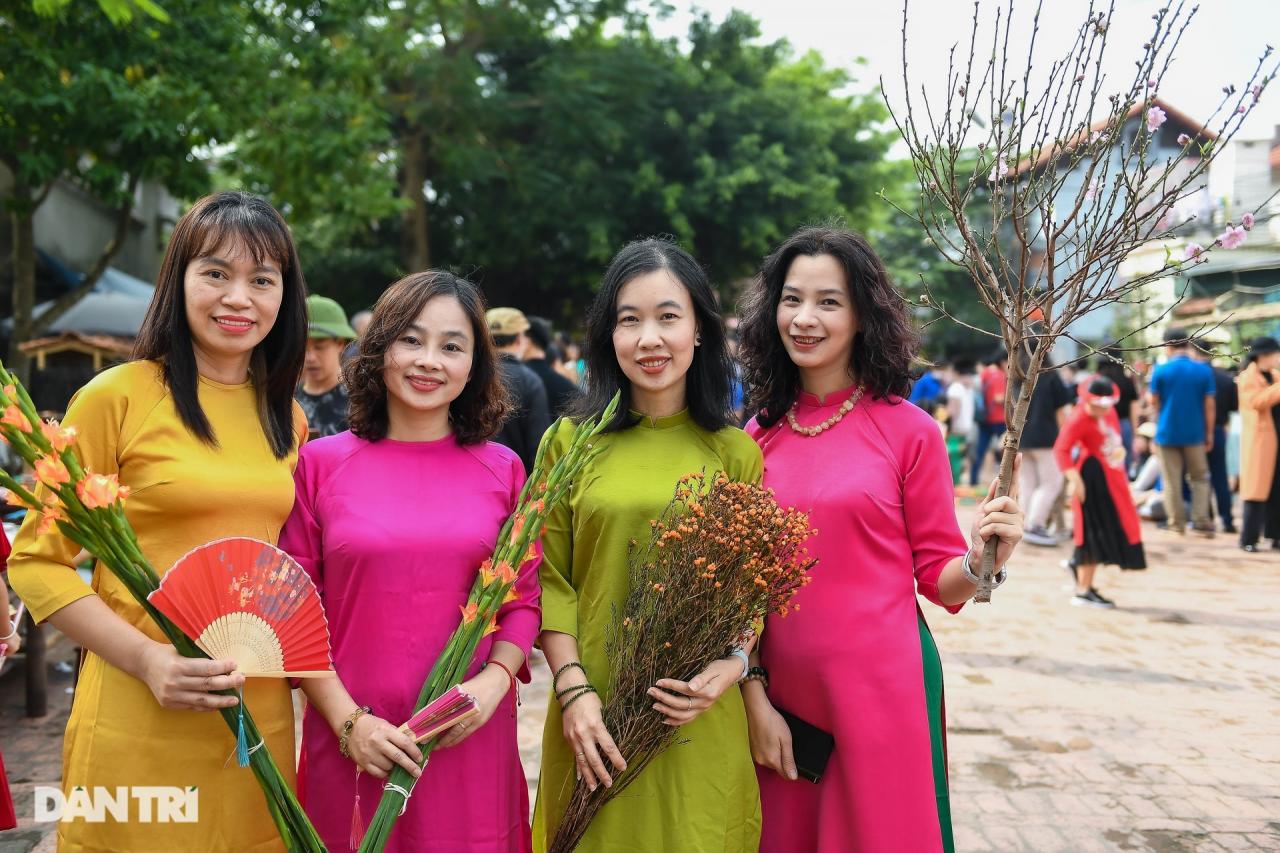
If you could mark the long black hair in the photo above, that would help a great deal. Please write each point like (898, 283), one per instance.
(276, 363)
(883, 348)
(708, 388)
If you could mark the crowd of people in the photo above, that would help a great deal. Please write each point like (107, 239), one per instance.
(392, 515)
(1187, 443)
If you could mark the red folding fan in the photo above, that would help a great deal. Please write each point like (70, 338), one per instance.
(244, 600)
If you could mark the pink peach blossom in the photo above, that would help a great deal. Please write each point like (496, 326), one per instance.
(999, 171)
(1233, 237)
(1183, 140)
(1155, 118)
(1194, 252)
(1246, 221)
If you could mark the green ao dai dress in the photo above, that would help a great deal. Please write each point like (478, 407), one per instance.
(699, 796)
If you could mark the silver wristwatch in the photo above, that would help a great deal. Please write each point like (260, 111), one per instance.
(999, 578)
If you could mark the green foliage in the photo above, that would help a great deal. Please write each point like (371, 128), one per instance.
(86, 100)
(117, 11)
(536, 146)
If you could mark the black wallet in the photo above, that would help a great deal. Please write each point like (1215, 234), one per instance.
(810, 746)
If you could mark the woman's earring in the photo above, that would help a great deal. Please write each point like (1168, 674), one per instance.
(697, 340)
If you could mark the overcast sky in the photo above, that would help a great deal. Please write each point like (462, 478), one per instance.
(1222, 45)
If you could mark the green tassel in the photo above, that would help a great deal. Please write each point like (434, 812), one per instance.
(242, 746)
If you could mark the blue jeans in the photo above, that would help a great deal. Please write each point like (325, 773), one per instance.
(1218, 475)
(986, 432)
(1126, 438)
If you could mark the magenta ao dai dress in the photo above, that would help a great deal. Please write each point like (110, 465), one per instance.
(393, 534)
(855, 658)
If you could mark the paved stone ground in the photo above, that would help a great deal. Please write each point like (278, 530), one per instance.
(1152, 727)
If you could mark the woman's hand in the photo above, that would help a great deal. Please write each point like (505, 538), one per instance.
(185, 683)
(999, 517)
(15, 642)
(488, 688)
(590, 741)
(682, 702)
(1077, 484)
(376, 746)
(770, 736)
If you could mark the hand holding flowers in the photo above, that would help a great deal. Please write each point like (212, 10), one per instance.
(378, 746)
(682, 702)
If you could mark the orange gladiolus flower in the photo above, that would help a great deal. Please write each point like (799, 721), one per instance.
(505, 573)
(52, 472)
(491, 627)
(469, 612)
(10, 391)
(49, 519)
(58, 436)
(530, 554)
(517, 526)
(100, 490)
(487, 574)
(13, 417)
(512, 595)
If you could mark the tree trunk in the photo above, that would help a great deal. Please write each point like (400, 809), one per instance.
(22, 214)
(415, 242)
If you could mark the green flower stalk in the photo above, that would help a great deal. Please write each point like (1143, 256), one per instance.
(494, 582)
(88, 509)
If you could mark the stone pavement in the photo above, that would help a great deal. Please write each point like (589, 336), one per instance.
(1152, 727)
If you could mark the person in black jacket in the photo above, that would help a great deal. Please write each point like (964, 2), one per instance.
(561, 393)
(530, 416)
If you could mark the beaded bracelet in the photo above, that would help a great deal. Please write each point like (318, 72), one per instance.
(565, 706)
(568, 690)
(347, 726)
(758, 673)
(570, 665)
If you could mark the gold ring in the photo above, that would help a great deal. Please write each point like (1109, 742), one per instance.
(690, 698)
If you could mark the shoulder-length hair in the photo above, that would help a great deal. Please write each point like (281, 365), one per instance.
(215, 221)
(707, 384)
(883, 348)
(478, 412)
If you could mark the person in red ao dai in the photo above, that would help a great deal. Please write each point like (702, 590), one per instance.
(826, 346)
(392, 521)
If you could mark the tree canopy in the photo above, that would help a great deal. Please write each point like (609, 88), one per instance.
(522, 144)
(527, 145)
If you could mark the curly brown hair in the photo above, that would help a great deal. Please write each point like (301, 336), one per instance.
(482, 407)
(885, 344)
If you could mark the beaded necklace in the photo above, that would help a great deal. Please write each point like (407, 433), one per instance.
(811, 431)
